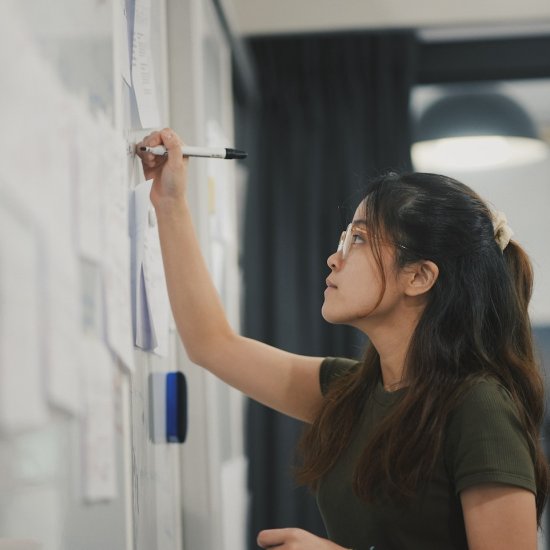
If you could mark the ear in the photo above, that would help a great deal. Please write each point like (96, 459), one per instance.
(420, 277)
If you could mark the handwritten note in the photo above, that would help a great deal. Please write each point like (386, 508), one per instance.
(143, 76)
(155, 284)
(152, 308)
(124, 49)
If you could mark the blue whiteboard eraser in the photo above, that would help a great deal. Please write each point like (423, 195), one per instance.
(176, 407)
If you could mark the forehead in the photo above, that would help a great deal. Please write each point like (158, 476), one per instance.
(360, 213)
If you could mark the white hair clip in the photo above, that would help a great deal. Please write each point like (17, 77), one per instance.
(503, 232)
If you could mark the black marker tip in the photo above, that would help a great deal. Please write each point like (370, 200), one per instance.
(235, 154)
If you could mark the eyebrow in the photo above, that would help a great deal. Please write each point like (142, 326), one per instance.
(361, 221)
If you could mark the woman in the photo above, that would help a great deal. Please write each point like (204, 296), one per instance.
(431, 442)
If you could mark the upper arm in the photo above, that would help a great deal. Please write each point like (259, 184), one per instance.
(499, 517)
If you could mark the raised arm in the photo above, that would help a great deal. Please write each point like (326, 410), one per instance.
(283, 381)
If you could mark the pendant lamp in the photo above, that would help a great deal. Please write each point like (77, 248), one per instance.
(475, 131)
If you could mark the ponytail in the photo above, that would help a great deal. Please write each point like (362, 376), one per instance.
(522, 272)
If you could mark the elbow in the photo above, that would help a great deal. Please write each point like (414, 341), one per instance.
(207, 351)
(192, 355)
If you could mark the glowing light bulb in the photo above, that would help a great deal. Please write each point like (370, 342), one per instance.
(476, 153)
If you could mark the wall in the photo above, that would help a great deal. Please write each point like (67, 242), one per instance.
(65, 99)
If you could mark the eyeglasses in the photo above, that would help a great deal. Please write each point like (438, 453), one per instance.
(347, 238)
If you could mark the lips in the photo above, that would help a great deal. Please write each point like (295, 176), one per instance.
(330, 284)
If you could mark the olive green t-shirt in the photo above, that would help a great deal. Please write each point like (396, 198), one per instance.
(484, 443)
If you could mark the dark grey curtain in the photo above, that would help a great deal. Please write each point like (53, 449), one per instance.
(333, 111)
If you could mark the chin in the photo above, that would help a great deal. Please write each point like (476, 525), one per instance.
(330, 317)
(354, 319)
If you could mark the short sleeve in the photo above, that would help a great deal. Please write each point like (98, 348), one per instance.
(486, 442)
(332, 368)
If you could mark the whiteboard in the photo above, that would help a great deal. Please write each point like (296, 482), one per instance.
(41, 480)
(69, 75)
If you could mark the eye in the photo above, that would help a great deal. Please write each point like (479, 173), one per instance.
(357, 236)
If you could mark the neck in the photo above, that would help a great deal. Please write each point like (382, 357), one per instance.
(392, 345)
(392, 352)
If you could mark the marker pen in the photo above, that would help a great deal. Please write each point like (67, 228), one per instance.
(208, 152)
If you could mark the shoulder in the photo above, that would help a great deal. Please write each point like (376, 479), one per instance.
(333, 368)
(486, 440)
(485, 395)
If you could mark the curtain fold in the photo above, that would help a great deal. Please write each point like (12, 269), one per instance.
(334, 111)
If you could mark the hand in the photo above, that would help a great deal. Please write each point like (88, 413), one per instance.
(294, 539)
(169, 173)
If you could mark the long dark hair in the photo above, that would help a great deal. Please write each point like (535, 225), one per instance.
(475, 324)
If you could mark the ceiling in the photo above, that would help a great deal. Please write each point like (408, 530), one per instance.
(435, 21)
(259, 17)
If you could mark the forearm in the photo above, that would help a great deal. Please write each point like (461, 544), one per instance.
(286, 382)
(196, 306)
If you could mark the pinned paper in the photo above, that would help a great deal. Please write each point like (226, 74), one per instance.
(151, 305)
(59, 264)
(22, 403)
(155, 286)
(63, 325)
(46, 194)
(99, 423)
(125, 60)
(143, 337)
(116, 264)
(143, 76)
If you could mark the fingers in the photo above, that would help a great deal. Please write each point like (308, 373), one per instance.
(149, 160)
(169, 139)
(173, 145)
(270, 538)
(275, 537)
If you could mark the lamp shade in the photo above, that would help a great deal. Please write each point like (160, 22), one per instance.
(474, 114)
(473, 131)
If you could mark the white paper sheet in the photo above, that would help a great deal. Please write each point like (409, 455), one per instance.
(98, 444)
(143, 75)
(63, 325)
(22, 396)
(116, 264)
(143, 330)
(155, 286)
(23, 101)
(125, 61)
(54, 200)
(87, 174)
(44, 186)
(152, 308)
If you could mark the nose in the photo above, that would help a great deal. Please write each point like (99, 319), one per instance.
(334, 260)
